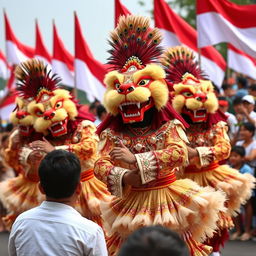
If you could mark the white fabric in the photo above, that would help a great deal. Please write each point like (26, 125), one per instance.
(4, 72)
(213, 29)
(210, 68)
(13, 54)
(5, 111)
(87, 82)
(241, 63)
(61, 69)
(55, 229)
(232, 123)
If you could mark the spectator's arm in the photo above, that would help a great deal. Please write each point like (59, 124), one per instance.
(11, 246)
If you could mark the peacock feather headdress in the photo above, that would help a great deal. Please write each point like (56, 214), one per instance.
(179, 61)
(134, 43)
(33, 78)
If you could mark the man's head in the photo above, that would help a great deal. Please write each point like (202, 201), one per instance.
(154, 241)
(248, 102)
(59, 174)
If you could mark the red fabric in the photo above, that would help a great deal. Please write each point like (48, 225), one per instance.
(41, 49)
(83, 53)
(166, 18)
(241, 16)
(218, 240)
(59, 51)
(215, 118)
(120, 10)
(160, 117)
(9, 36)
(233, 48)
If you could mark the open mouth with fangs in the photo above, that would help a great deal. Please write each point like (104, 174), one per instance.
(26, 130)
(59, 128)
(198, 115)
(134, 111)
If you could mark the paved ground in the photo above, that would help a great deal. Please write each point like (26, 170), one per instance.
(232, 248)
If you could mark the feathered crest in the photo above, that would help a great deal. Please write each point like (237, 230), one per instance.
(32, 76)
(178, 61)
(134, 43)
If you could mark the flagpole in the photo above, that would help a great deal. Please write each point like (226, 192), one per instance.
(199, 57)
(75, 71)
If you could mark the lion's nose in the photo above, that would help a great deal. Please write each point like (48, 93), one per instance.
(125, 88)
(49, 114)
(201, 97)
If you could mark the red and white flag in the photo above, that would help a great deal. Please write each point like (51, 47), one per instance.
(241, 62)
(7, 105)
(4, 67)
(177, 31)
(62, 60)
(222, 21)
(41, 51)
(16, 52)
(120, 9)
(89, 73)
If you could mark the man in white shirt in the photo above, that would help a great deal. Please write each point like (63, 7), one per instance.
(248, 107)
(55, 228)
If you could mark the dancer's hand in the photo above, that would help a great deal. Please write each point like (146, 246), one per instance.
(122, 153)
(40, 145)
(132, 178)
(192, 152)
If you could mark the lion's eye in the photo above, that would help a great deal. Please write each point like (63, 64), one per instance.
(144, 82)
(187, 94)
(59, 104)
(38, 112)
(117, 85)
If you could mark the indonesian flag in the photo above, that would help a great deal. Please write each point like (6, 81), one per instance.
(7, 105)
(223, 21)
(16, 52)
(4, 67)
(120, 10)
(62, 60)
(89, 73)
(177, 31)
(41, 51)
(11, 83)
(241, 62)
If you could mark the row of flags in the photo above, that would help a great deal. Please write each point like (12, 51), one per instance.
(217, 21)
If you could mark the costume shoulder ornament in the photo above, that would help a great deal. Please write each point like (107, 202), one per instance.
(193, 95)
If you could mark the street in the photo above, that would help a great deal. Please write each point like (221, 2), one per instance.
(232, 248)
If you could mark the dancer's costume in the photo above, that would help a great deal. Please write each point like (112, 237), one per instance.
(195, 100)
(20, 193)
(58, 117)
(142, 119)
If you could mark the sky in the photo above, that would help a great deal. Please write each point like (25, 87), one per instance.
(96, 19)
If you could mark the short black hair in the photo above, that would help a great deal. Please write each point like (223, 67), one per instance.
(249, 127)
(154, 241)
(253, 87)
(100, 110)
(239, 150)
(237, 101)
(242, 81)
(59, 174)
(226, 86)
